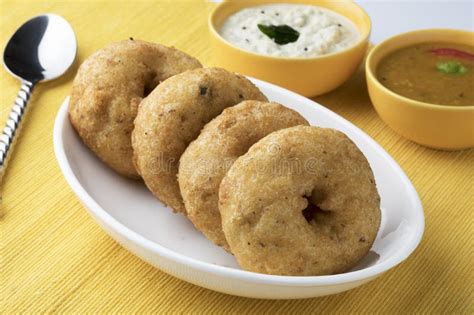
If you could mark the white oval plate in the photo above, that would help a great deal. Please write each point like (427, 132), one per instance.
(129, 213)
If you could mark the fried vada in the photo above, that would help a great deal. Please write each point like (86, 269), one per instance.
(208, 158)
(107, 90)
(173, 115)
(301, 202)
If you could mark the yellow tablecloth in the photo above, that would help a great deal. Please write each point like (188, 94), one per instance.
(54, 258)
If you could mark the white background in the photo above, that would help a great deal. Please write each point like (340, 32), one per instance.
(393, 17)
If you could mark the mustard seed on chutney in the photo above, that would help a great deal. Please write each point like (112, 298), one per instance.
(435, 73)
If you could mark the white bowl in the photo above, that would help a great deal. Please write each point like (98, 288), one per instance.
(129, 213)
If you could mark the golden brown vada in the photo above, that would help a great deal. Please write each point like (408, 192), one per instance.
(208, 158)
(107, 90)
(302, 201)
(173, 115)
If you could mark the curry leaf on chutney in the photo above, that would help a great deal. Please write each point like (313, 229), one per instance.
(281, 34)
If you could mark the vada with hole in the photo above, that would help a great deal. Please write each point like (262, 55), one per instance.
(173, 115)
(107, 90)
(208, 158)
(301, 202)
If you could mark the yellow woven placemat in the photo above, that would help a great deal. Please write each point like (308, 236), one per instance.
(54, 258)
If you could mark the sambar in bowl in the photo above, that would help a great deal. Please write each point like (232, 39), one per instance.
(422, 85)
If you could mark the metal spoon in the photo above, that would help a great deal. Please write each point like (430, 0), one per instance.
(42, 49)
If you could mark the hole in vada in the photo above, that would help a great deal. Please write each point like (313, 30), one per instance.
(151, 82)
(148, 88)
(311, 210)
(203, 90)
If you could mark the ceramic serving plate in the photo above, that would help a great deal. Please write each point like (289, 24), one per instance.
(129, 213)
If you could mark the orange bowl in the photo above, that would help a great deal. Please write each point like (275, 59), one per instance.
(306, 76)
(436, 126)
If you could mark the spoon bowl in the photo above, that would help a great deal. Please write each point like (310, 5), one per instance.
(42, 49)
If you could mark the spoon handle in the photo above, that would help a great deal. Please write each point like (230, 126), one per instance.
(13, 124)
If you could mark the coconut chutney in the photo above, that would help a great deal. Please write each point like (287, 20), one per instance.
(289, 30)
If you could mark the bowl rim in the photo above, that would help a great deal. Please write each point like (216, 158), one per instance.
(370, 69)
(230, 273)
(361, 41)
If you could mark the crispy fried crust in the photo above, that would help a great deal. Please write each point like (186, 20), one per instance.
(207, 159)
(262, 197)
(107, 90)
(173, 115)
